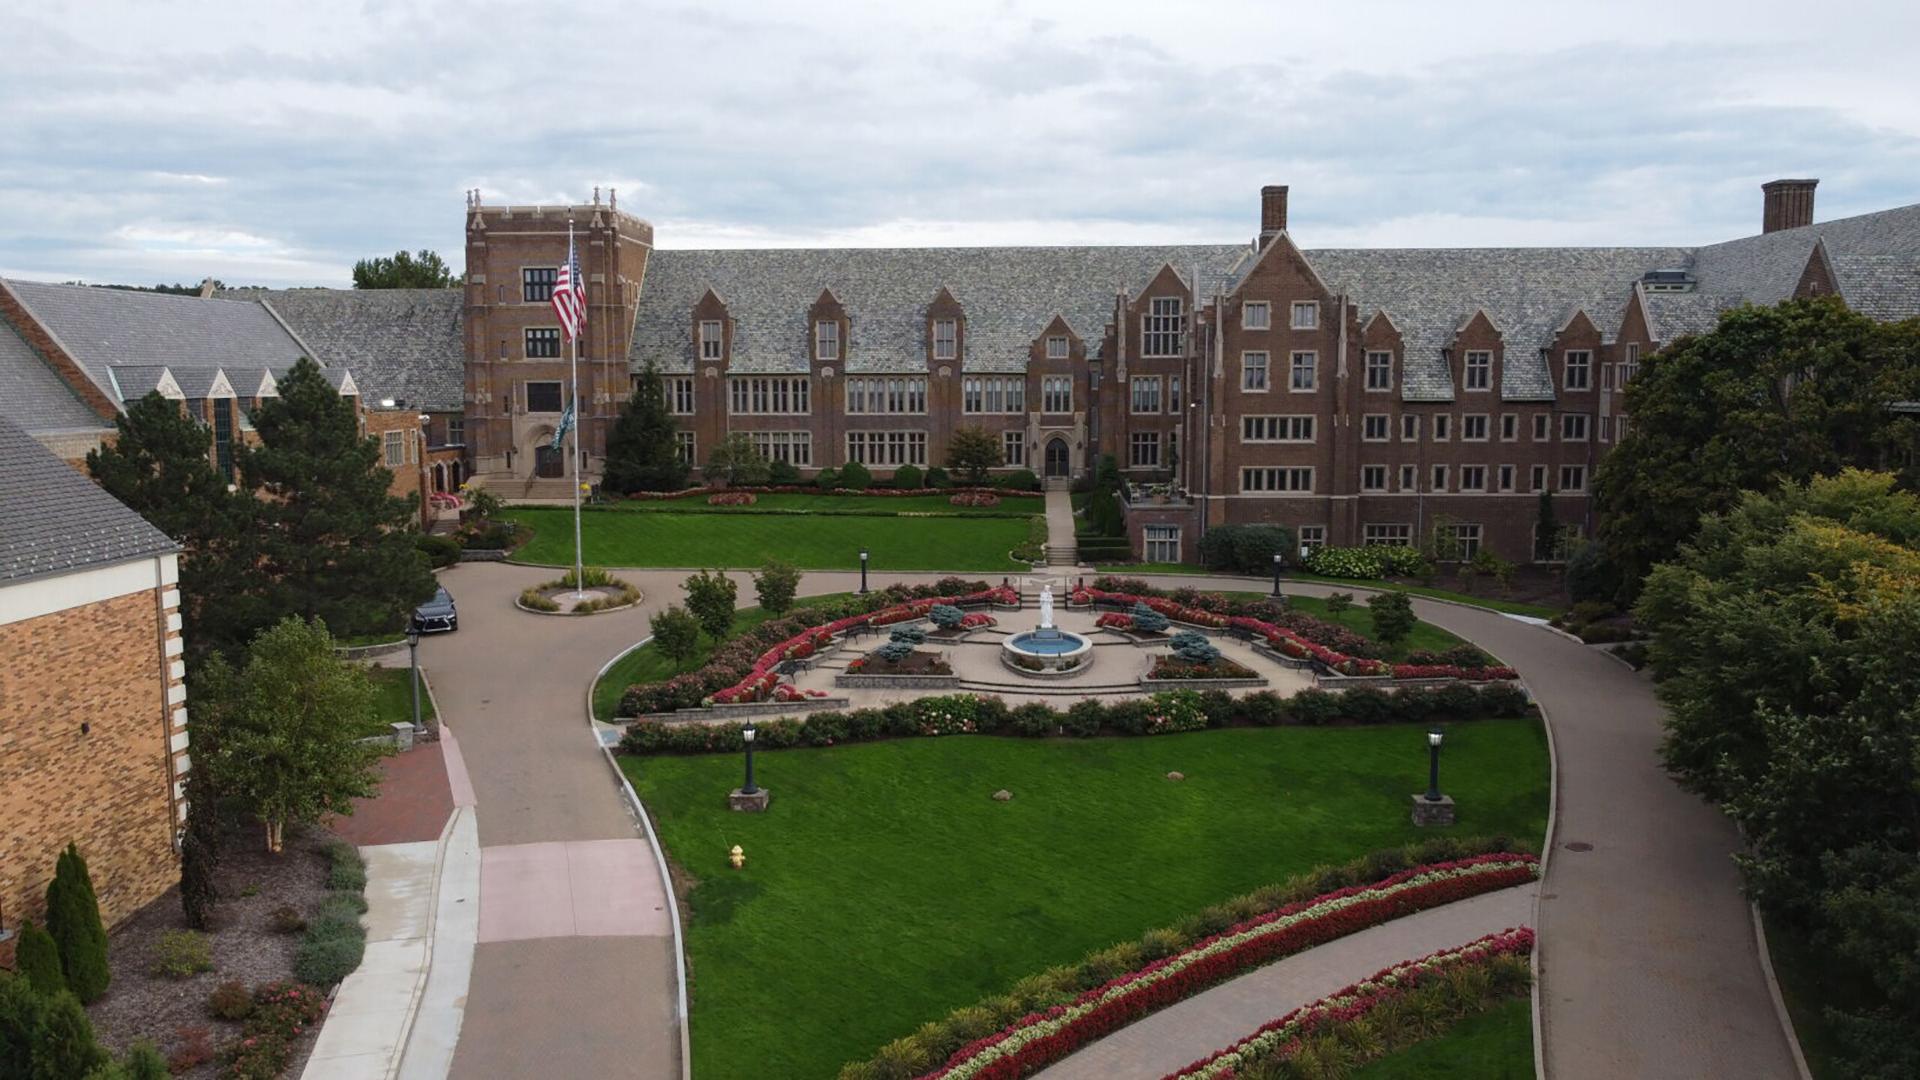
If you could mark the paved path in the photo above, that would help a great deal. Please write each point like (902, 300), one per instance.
(1190, 1030)
(1649, 967)
(1062, 548)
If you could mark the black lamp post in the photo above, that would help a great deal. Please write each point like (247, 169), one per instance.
(1433, 765)
(748, 733)
(863, 571)
(1276, 575)
(413, 664)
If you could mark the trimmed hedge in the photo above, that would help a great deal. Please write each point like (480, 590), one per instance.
(969, 714)
(937, 1041)
(335, 941)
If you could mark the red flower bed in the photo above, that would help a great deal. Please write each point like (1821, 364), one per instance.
(761, 680)
(1452, 671)
(1114, 620)
(976, 498)
(733, 498)
(1045, 1037)
(974, 620)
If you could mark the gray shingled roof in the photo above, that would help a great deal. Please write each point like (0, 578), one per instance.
(33, 396)
(1529, 293)
(1009, 295)
(404, 344)
(54, 520)
(104, 327)
(1764, 269)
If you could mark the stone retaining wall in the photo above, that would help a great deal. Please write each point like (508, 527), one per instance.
(483, 555)
(743, 710)
(897, 682)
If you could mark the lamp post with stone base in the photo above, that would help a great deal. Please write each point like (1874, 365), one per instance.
(1433, 808)
(749, 796)
(1277, 560)
(863, 571)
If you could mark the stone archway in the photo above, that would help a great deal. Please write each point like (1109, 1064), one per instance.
(548, 463)
(1058, 457)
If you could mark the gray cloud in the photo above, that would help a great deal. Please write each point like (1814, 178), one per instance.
(162, 142)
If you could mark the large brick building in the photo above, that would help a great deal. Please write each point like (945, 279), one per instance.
(93, 736)
(1357, 395)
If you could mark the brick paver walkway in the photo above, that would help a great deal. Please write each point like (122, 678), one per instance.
(413, 805)
(1192, 1029)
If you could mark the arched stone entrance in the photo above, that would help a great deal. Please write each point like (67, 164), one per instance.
(1058, 459)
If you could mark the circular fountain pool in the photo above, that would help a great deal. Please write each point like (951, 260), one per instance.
(1046, 651)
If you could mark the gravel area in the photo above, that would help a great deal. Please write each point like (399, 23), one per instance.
(140, 1005)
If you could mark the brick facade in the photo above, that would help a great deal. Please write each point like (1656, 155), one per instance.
(93, 743)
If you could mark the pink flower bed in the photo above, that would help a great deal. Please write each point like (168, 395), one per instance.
(1283, 640)
(1281, 1038)
(976, 498)
(733, 498)
(1039, 1039)
(974, 620)
(759, 683)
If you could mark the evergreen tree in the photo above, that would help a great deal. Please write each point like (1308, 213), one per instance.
(1546, 530)
(642, 454)
(289, 749)
(73, 919)
(333, 544)
(211, 685)
(158, 466)
(63, 1041)
(144, 1062)
(37, 959)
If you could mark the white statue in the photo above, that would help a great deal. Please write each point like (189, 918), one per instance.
(1046, 608)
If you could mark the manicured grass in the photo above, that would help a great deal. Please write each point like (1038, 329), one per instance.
(1495, 1045)
(885, 887)
(646, 664)
(1810, 981)
(1512, 607)
(1359, 619)
(864, 504)
(749, 540)
(393, 699)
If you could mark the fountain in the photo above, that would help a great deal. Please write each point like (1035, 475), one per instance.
(1046, 650)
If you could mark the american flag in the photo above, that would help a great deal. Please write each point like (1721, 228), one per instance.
(569, 295)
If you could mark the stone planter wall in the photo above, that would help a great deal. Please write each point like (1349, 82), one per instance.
(483, 555)
(1151, 685)
(897, 682)
(364, 652)
(711, 713)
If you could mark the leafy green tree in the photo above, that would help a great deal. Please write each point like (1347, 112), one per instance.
(676, 634)
(73, 921)
(426, 270)
(642, 454)
(36, 958)
(1770, 395)
(1393, 619)
(710, 596)
(333, 544)
(736, 462)
(971, 451)
(290, 749)
(158, 465)
(775, 585)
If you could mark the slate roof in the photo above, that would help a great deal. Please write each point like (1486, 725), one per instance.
(33, 396)
(54, 520)
(104, 327)
(404, 344)
(1009, 295)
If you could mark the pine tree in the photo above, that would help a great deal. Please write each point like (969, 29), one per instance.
(1546, 531)
(37, 959)
(333, 544)
(158, 465)
(642, 453)
(73, 920)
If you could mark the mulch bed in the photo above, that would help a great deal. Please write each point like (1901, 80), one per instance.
(252, 883)
(918, 663)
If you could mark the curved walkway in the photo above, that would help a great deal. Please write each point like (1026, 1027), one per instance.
(1190, 1030)
(1647, 958)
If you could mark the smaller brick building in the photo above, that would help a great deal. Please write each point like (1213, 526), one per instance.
(93, 718)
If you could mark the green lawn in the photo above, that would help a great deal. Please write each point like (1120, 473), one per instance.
(749, 540)
(878, 505)
(1495, 1045)
(393, 700)
(1512, 607)
(646, 664)
(885, 887)
(1359, 619)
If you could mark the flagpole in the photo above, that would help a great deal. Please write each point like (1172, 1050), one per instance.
(573, 379)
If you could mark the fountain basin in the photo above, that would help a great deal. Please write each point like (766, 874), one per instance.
(1046, 652)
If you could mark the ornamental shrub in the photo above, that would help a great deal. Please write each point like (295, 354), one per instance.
(1393, 619)
(1314, 707)
(894, 651)
(73, 920)
(907, 478)
(827, 479)
(1034, 721)
(1338, 603)
(946, 616)
(231, 1000)
(346, 870)
(676, 634)
(439, 550)
(37, 960)
(1146, 620)
(329, 953)
(144, 1062)
(1018, 480)
(856, 476)
(1084, 719)
(181, 954)
(781, 473)
(911, 635)
(937, 478)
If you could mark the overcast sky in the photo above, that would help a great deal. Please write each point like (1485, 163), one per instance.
(275, 143)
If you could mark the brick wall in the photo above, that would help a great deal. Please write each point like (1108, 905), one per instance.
(110, 788)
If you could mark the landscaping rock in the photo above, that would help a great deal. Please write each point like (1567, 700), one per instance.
(1176, 775)
(1003, 795)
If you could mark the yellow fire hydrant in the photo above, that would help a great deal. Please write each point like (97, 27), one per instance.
(737, 857)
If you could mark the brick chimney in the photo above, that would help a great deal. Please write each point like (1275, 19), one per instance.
(1789, 204)
(1273, 212)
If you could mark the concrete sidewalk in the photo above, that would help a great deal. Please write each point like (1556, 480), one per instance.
(1192, 1029)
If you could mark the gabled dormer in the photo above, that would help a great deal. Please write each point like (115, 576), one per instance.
(1574, 358)
(1475, 359)
(827, 331)
(1058, 346)
(1817, 277)
(1160, 317)
(712, 331)
(1382, 355)
(945, 330)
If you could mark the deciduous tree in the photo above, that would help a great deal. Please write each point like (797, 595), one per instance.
(775, 586)
(736, 462)
(971, 451)
(425, 270)
(710, 596)
(1393, 619)
(676, 634)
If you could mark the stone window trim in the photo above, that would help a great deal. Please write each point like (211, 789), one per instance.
(1509, 427)
(1379, 365)
(536, 284)
(1305, 315)
(1537, 478)
(542, 392)
(1578, 370)
(713, 339)
(540, 343)
(1162, 327)
(1573, 427)
(1279, 428)
(1276, 479)
(1573, 479)
(946, 339)
(1409, 478)
(769, 395)
(1438, 479)
(1409, 427)
(1256, 374)
(1144, 398)
(1057, 348)
(1473, 478)
(1312, 536)
(1506, 478)
(1442, 427)
(1386, 534)
(1376, 427)
(1013, 447)
(1373, 478)
(1143, 450)
(1160, 543)
(1542, 428)
(1477, 371)
(1303, 372)
(1256, 315)
(1475, 427)
(826, 340)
